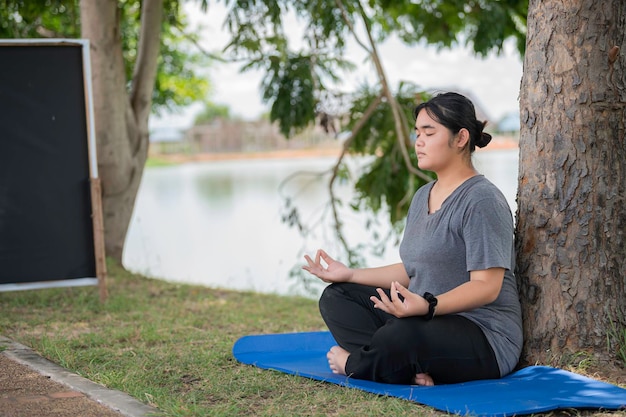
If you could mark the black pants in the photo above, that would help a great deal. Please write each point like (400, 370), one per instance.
(384, 348)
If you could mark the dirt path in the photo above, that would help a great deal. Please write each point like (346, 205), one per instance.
(27, 393)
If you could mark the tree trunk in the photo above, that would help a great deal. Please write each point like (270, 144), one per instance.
(121, 116)
(571, 210)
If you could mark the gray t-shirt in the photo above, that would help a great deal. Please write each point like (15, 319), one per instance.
(473, 230)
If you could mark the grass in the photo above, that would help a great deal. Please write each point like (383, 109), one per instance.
(616, 337)
(169, 345)
(155, 162)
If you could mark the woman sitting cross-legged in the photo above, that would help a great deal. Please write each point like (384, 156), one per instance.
(450, 311)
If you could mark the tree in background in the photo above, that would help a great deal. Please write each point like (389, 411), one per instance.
(571, 216)
(211, 112)
(141, 62)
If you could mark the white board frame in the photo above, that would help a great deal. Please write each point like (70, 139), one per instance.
(96, 195)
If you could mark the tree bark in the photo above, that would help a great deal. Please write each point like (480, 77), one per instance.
(571, 215)
(121, 117)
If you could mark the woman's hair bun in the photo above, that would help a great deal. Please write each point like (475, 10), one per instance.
(484, 140)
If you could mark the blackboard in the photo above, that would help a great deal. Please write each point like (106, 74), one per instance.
(47, 165)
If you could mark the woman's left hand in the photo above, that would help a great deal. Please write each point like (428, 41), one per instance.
(410, 304)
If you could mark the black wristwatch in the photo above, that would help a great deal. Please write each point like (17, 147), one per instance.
(432, 305)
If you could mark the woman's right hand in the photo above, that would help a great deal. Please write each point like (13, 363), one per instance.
(334, 271)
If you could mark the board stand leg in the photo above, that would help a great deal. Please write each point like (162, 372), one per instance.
(98, 237)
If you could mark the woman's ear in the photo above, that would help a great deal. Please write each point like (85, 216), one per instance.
(463, 138)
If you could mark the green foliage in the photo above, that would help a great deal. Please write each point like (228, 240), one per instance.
(180, 79)
(258, 38)
(387, 181)
(157, 162)
(211, 112)
(295, 81)
(256, 27)
(39, 18)
(483, 24)
(290, 83)
(177, 84)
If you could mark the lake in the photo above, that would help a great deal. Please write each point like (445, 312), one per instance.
(219, 224)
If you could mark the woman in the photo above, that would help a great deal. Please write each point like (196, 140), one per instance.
(449, 312)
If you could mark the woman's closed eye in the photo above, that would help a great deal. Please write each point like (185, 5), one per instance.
(417, 135)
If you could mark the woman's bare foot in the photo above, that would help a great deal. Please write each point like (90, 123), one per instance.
(424, 380)
(337, 358)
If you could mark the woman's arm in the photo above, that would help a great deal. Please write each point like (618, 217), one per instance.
(482, 288)
(381, 276)
(335, 271)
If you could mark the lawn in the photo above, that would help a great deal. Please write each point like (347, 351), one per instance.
(169, 345)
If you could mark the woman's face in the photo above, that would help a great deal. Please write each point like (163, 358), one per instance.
(433, 148)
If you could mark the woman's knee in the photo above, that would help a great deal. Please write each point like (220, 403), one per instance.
(331, 299)
(338, 292)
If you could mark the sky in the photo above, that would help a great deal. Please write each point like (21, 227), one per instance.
(492, 82)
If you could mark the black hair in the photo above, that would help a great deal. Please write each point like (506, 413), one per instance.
(456, 112)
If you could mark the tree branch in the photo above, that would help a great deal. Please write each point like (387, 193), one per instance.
(48, 33)
(399, 119)
(346, 145)
(145, 71)
(195, 42)
(344, 13)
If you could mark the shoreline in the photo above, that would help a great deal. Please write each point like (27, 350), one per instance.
(326, 151)
(233, 156)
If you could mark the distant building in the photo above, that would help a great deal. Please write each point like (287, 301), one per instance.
(166, 140)
(510, 123)
(249, 136)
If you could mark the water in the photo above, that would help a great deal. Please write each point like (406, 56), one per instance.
(220, 224)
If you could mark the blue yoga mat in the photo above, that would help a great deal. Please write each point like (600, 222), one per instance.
(534, 389)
